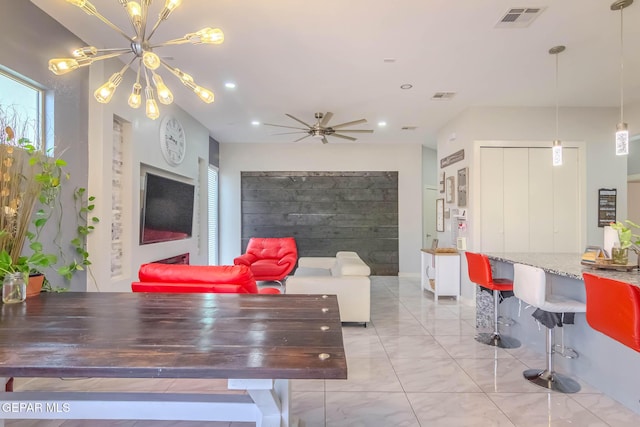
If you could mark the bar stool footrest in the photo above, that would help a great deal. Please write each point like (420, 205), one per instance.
(566, 352)
(497, 340)
(551, 380)
(506, 321)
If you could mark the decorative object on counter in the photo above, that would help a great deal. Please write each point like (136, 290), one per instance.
(14, 288)
(593, 254)
(628, 240)
(606, 206)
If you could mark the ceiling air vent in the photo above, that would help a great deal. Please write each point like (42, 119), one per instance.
(519, 17)
(409, 127)
(442, 96)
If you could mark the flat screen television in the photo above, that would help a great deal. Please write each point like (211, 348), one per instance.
(167, 209)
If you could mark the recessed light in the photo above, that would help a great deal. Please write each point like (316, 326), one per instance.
(230, 85)
(255, 123)
(406, 86)
(381, 124)
(389, 60)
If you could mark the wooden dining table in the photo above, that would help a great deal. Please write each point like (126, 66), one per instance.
(258, 342)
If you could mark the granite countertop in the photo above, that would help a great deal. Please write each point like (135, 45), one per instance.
(564, 264)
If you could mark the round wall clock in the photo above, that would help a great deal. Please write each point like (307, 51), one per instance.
(172, 140)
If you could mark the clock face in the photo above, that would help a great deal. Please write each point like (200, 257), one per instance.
(172, 140)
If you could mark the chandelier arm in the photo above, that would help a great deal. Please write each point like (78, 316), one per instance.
(109, 55)
(145, 12)
(112, 26)
(155, 27)
(181, 40)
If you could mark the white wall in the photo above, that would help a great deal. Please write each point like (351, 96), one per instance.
(593, 127)
(404, 158)
(142, 146)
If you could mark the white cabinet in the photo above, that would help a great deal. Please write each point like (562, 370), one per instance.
(527, 204)
(440, 273)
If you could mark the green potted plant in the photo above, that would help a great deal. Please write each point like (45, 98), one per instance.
(29, 200)
(620, 255)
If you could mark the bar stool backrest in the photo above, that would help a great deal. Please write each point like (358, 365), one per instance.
(530, 284)
(479, 269)
(613, 308)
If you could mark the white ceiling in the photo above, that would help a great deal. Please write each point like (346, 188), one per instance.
(299, 57)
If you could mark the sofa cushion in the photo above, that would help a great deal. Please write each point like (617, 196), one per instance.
(238, 275)
(310, 271)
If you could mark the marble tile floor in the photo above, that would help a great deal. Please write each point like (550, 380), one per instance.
(416, 364)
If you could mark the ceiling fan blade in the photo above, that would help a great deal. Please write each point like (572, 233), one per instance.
(298, 120)
(300, 139)
(325, 119)
(283, 126)
(324, 140)
(357, 130)
(289, 133)
(355, 122)
(343, 136)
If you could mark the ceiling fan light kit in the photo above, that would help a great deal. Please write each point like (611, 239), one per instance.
(321, 129)
(143, 51)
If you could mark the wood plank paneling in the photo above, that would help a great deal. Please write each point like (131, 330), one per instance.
(326, 212)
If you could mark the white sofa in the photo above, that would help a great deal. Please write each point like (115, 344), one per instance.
(344, 275)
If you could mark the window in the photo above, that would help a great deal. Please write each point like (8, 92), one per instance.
(22, 103)
(213, 214)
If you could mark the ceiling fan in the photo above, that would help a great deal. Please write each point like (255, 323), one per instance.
(321, 129)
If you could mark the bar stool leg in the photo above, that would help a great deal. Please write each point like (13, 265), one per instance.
(548, 378)
(494, 338)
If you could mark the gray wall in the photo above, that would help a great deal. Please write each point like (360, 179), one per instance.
(326, 212)
(29, 39)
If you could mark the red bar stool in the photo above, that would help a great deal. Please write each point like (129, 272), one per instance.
(530, 286)
(613, 308)
(480, 274)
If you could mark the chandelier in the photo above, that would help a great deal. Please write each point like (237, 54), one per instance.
(143, 50)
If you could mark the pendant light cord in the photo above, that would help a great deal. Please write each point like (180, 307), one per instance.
(557, 120)
(621, 67)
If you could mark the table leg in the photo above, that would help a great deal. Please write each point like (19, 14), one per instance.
(272, 397)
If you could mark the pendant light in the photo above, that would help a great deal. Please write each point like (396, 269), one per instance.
(557, 144)
(622, 130)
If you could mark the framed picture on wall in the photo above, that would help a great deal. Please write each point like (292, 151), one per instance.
(450, 190)
(439, 214)
(441, 182)
(462, 186)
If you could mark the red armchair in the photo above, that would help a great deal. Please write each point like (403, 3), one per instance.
(179, 278)
(270, 259)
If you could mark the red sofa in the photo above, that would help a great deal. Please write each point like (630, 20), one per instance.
(180, 278)
(271, 258)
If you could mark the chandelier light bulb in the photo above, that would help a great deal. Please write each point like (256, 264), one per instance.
(60, 66)
(84, 52)
(206, 35)
(151, 60)
(104, 93)
(164, 94)
(152, 110)
(86, 6)
(205, 94)
(135, 99)
(622, 139)
(135, 13)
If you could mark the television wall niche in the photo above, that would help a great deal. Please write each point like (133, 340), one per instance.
(326, 212)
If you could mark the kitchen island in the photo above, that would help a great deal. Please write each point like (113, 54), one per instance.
(603, 363)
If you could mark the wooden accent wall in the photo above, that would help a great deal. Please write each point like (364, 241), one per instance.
(326, 212)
